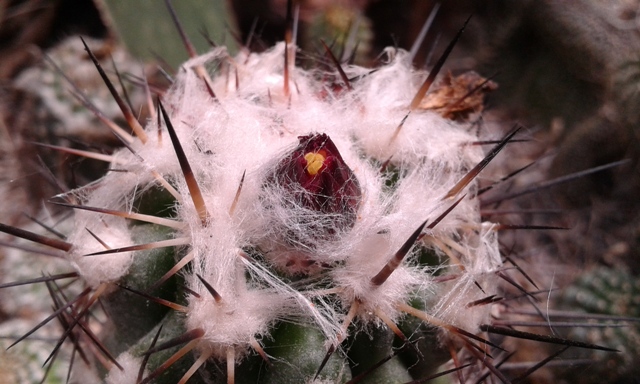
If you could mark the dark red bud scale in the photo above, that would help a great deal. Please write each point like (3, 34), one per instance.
(315, 177)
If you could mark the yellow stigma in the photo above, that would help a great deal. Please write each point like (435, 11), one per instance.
(314, 162)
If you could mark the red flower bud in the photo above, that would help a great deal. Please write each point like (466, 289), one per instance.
(314, 177)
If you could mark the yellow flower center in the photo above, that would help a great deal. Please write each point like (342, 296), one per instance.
(314, 162)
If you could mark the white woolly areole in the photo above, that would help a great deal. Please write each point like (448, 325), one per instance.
(102, 268)
(129, 373)
(245, 254)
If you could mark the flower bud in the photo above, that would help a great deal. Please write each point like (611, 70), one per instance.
(319, 188)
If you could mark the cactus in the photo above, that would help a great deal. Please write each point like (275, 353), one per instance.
(606, 291)
(278, 224)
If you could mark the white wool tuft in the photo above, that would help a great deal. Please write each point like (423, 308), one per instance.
(129, 374)
(99, 269)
